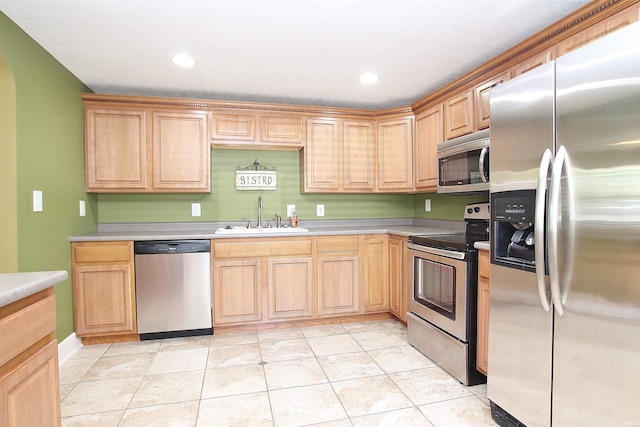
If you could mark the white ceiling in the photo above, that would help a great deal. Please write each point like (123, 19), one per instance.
(290, 51)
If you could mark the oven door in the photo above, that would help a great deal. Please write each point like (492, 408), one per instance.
(439, 288)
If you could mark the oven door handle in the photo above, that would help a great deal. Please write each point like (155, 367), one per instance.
(437, 251)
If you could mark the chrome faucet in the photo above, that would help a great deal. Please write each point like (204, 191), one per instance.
(260, 206)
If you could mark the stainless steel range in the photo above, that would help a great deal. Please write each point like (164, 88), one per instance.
(442, 303)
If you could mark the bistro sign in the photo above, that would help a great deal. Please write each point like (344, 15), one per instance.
(256, 177)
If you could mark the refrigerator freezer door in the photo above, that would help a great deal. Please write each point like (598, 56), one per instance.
(522, 127)
(596, 373)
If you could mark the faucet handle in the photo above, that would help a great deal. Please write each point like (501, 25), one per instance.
(278, 221)
(248, 222)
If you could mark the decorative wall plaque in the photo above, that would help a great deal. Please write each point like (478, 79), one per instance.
(256, 177)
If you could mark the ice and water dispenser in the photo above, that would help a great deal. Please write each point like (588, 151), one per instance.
(512, 229)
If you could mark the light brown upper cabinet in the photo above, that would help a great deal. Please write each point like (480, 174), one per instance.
(602, 28)
(531, 63)
(429, 133)
(321, 156)
(482, 99)
(260, 131)
(137, 150)
(395, 155)
(358, 156)
(458, 115)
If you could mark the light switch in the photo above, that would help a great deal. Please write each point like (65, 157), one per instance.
(319, 210)
(290, 210)
(83, 210)
(37, 201)
(195, 209)
(427, 205)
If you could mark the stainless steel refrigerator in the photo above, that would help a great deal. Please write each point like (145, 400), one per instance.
(564, 328)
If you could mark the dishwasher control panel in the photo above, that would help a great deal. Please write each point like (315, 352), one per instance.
(171, 246)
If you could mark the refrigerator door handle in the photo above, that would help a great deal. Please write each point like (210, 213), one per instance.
(483, 155)
(539, 223)
(558, 294)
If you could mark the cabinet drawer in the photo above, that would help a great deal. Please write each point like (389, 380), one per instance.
(102, 252)
(483, 263)
(337, 244)
(261, 249)
(23, 328)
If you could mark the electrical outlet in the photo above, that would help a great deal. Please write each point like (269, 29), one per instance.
(83, 210)
(290, 210)
(195, 209)
(37, 201)
(427, 205)
(319, 210)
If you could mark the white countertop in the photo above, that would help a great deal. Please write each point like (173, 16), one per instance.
(15, 286)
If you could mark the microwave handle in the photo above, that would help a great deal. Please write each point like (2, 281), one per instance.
(483, 155)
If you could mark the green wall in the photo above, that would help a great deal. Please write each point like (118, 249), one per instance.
(49, 157)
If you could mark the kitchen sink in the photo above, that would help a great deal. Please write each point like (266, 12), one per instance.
(263, 230)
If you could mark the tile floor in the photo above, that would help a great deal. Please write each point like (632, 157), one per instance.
(349, 374)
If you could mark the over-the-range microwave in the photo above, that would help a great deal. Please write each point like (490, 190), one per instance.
(463, 164)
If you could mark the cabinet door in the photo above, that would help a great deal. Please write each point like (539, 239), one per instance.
(181, 152)
(458, 115)
(358, 156)
(115, 150)
(290, 287)
(237, 292)
(233, 127)
(429, 133)
(530, 64)
(395, 155)
(482, 99)
(322, 156)
(397, 285)
(376, 274)
(594, 32)
(282, 131)
(30, 393)
(483, 312)
(104, 299)
(338, 285)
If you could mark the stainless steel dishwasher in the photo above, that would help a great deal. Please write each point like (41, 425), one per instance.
(173, 288)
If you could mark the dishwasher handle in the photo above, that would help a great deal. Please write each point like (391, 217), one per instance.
(171, 246)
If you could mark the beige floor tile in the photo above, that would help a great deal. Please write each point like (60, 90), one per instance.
(275, 351)
(168, 388)
(280, 334)
(340, 367)
(323, 330)
(90, 351)
(135, 347)
(251, 410)
(233, 380)
(174, 415)
(429, 385)
(234, 339)
(364, 396)
(394, 325)
(125, 366)
(358, 327)
(234, 355)
(407, 417)
(478, 389)
(334, 344)
(483, 398)
(340, 423)
(374, 340)
(99, 396)
(463, 412)
(74, 369)
(398, 359)
(103, 419)
(166, 362)
(65, 389)
(185, 343)
(294, 373)
(300, 405)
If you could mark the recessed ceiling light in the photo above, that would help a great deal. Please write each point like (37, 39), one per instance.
(369, 78)
(183, 60)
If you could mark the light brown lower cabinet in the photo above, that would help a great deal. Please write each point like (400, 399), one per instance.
(237, 291)
(483, 312)
(103, 288)
(376, 273)
(398, 277)
(338, 284)
(290, 287)
(29, 379)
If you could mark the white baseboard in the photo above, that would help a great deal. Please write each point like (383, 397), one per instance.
(67, 347)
